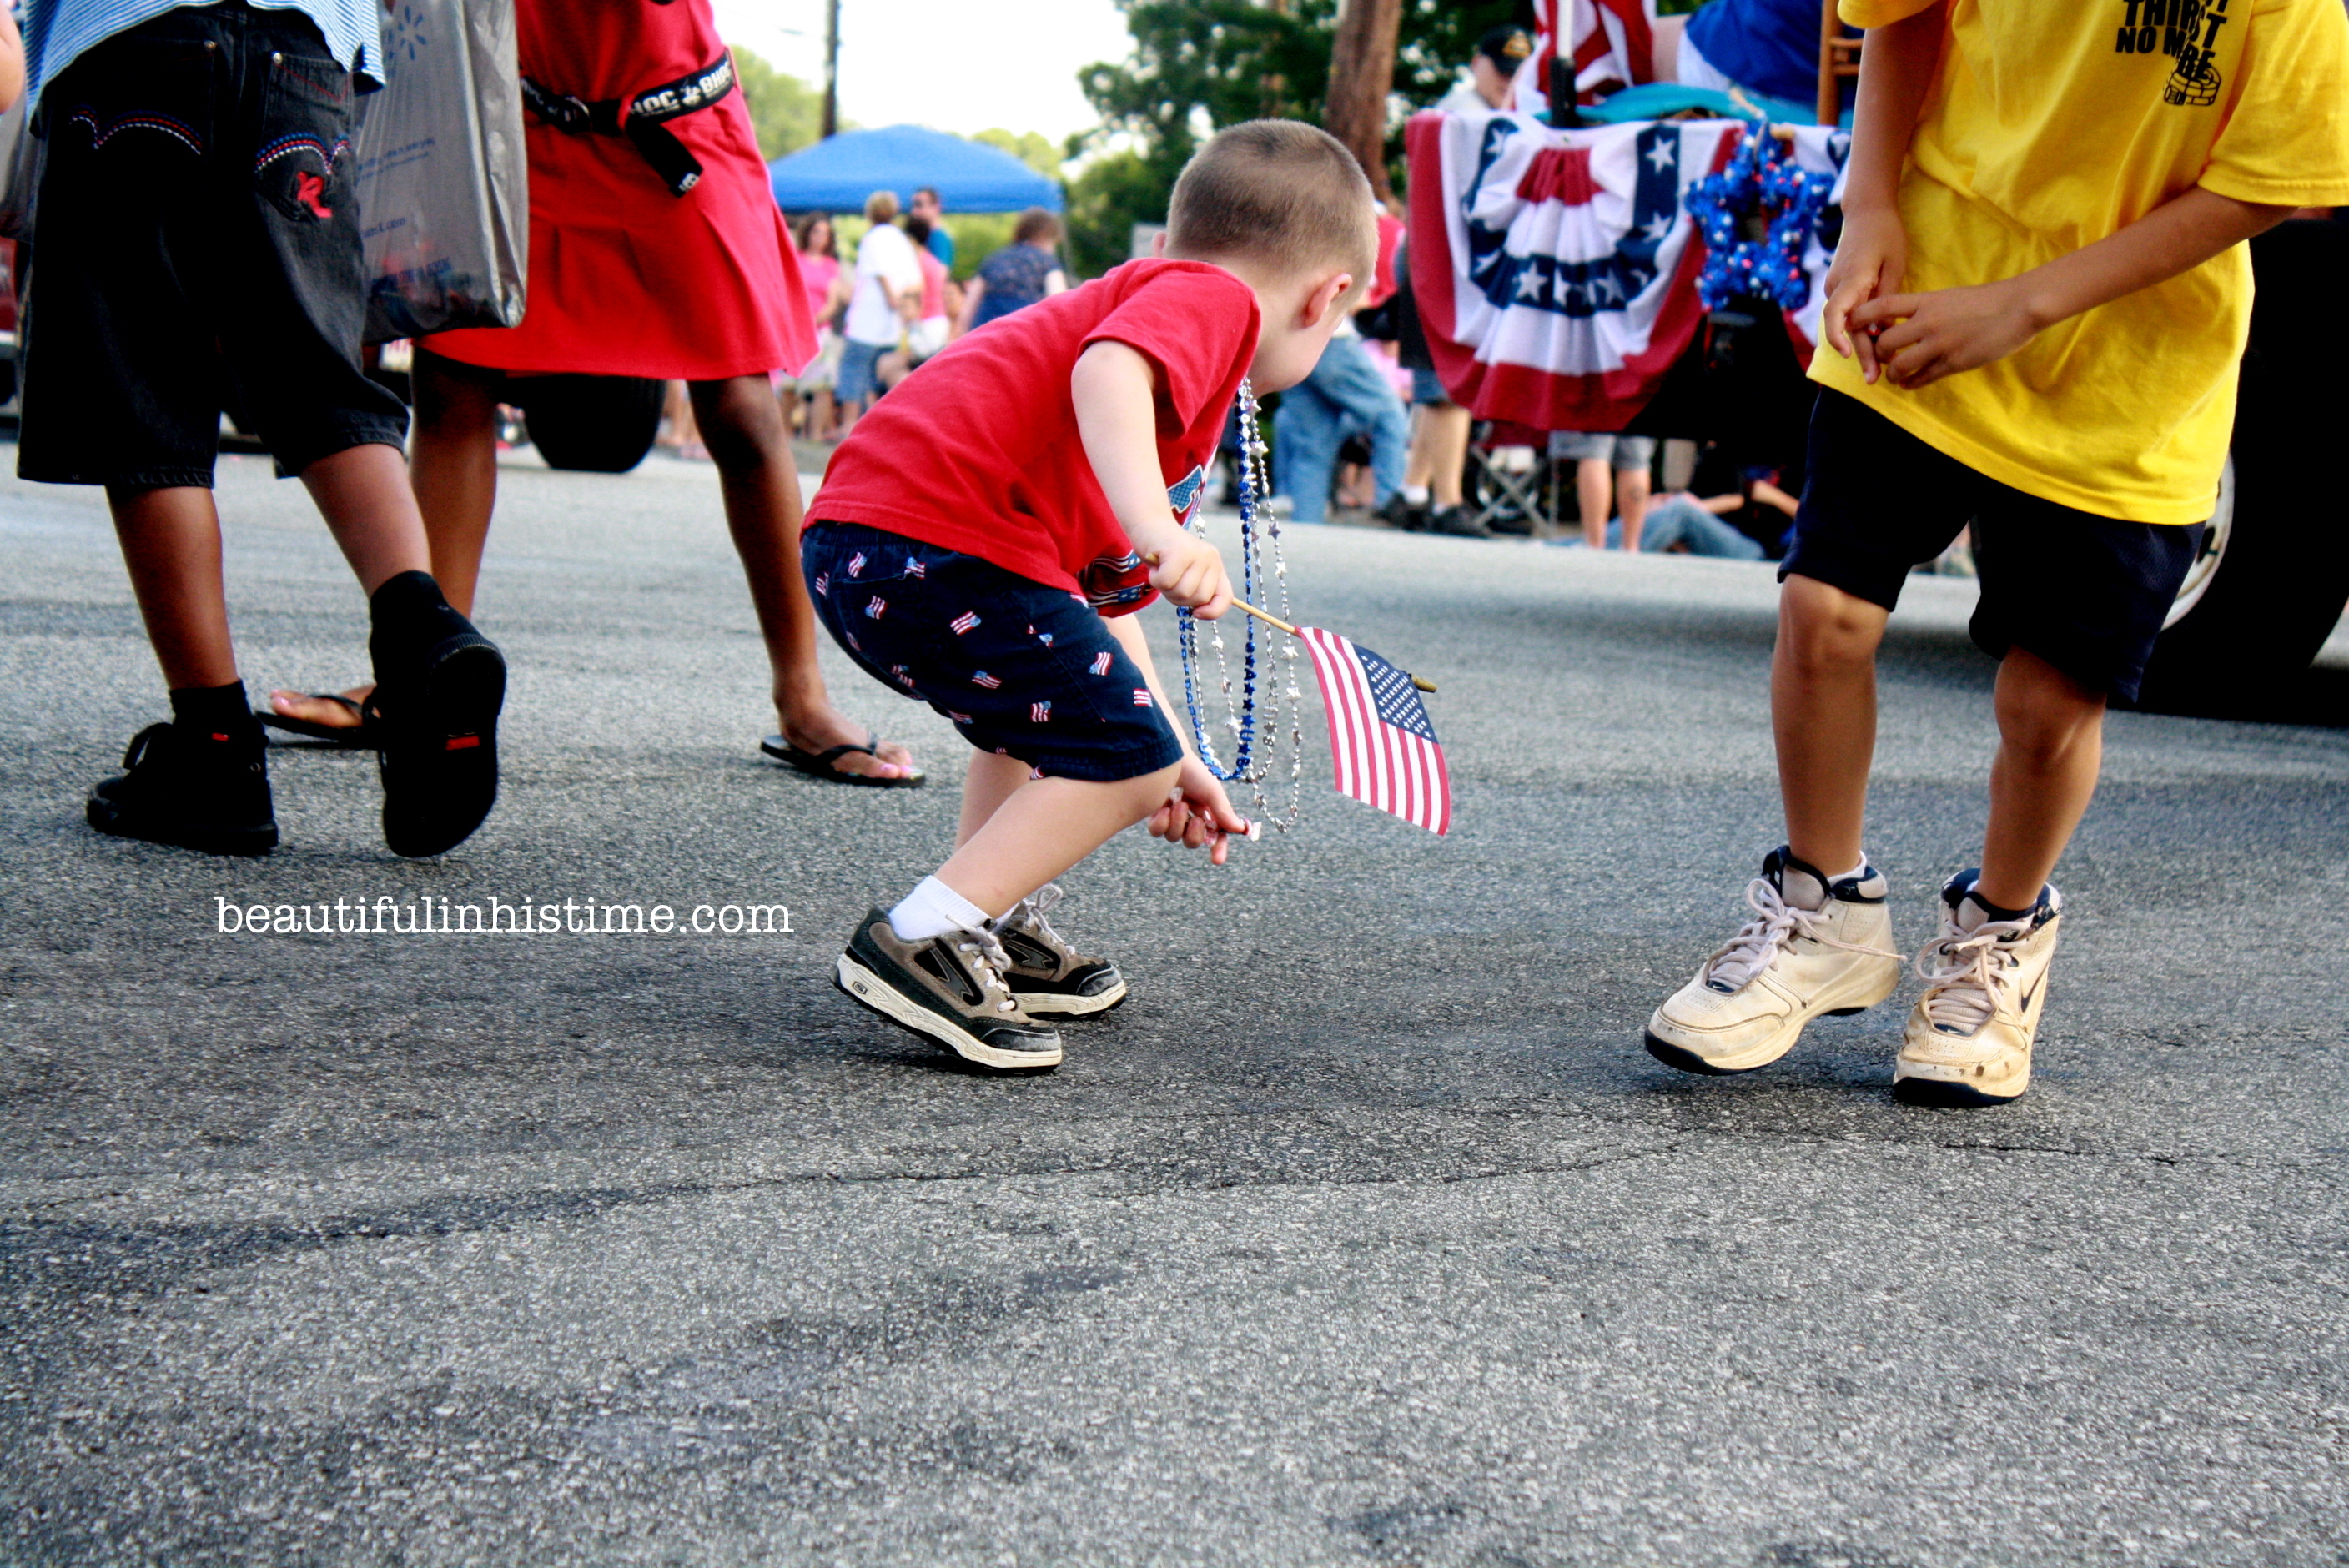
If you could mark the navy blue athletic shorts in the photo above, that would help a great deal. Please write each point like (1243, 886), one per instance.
(2086, 593)
(1023, 669)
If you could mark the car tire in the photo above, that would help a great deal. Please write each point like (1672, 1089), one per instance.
(2274, 575)
(598, 424)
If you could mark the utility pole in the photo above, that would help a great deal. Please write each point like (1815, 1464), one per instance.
(830, 68)
(1361, 72)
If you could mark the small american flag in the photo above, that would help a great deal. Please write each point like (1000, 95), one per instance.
(959, 717)
(1142, 696)
(916, 568)
(857, 563)
(1385, 749)
(874, 608)
(1039, 713)
(983, 679)
(964, 622)
(822, 584)
(1100, 662)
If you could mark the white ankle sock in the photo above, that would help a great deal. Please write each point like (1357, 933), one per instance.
(932, 909)
(1806, 892)
(1415, 494)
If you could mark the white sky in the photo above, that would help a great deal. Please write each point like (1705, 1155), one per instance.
(962, 65)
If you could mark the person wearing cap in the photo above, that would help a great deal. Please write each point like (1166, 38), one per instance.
(1491, 70)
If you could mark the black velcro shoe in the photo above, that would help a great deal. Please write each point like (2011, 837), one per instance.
(207, 791)
(949, 989)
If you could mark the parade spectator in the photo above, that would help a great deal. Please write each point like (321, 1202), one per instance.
(827, 294)
(638, 269)
(1347, 395)
(1610, 479)
(1020, 274)
(933, 320)
(1766, 46)
(931, 210)
(1431, 496)
(142, 322)
(886, 293)
(1491, 71)
(12, 60)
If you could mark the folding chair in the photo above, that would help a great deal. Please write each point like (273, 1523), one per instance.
(1838, 58)
(1505, 492)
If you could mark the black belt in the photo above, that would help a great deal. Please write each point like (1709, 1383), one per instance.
(641, 122)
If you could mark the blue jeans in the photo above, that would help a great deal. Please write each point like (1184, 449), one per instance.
(1676, 521)
(1345, 396)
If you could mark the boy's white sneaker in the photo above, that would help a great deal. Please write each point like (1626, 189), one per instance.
(1968, 1040)
(1813, 947)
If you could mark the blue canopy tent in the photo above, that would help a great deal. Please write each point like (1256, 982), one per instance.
(838, 174)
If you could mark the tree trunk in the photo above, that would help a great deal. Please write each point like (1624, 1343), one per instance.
(1362, 70)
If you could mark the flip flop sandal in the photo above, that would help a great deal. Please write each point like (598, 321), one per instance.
(819, 764)
(361, 737)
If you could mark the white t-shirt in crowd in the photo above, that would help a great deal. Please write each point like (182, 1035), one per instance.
(883, 252)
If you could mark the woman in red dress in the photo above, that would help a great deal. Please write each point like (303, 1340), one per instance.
(655, 249)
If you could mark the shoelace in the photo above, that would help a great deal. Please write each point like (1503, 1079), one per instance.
(989, 961)
(1775, 923)
(140, 742)
(1958, 988)
(1030, 910)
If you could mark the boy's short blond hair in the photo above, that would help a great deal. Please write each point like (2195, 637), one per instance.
(1279, 192)
(881, 207)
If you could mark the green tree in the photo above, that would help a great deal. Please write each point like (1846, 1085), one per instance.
(1036, 152)
(787, 112)
(1200, 65)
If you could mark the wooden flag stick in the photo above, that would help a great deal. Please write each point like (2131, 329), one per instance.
(1275, 621)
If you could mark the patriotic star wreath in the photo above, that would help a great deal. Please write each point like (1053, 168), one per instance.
(1762, 180)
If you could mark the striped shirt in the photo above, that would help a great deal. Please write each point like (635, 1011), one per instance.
(58, 32)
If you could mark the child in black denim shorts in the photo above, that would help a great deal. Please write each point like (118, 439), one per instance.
(986, 533)
(198, 243)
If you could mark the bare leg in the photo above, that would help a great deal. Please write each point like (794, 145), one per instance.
(1447, 427)
(744, 428)
(171, 547)
(451, 483)
(1592, 484)
(2051, 743)
(1823, 709)
(820, 416)
(1631, 501)
(1044, 827)
(990, 782)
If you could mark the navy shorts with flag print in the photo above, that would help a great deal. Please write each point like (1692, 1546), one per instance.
(1023, 669)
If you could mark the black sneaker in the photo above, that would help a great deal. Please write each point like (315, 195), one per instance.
(949, 990)
(1458, 522)
(1400, 514)
(1047, 975)
(439, 723)
(207, 791)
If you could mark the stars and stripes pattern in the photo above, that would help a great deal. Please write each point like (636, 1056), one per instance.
(1142, 696)
(856, 564)
(1039, 713)
(822, 584)
(876, 606)
(981, 678)
(964, 622)
(1102, 662)
(916, 567)
(1556, 270)
(1385, 749)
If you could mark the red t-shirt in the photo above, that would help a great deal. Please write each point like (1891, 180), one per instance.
(979, 451)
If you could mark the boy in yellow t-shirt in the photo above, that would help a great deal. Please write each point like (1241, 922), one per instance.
(2036, 313)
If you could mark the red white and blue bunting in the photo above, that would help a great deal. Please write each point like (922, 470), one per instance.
(1556, 271)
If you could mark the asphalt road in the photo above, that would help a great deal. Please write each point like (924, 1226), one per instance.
(1364, 1234)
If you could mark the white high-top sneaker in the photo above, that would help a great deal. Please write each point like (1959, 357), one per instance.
(1969, 1041)
(1812, 948)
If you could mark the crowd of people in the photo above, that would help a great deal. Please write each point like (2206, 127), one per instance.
(1994, 351)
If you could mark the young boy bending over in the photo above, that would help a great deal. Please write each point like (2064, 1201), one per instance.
(983, 537)
(2037, 311)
